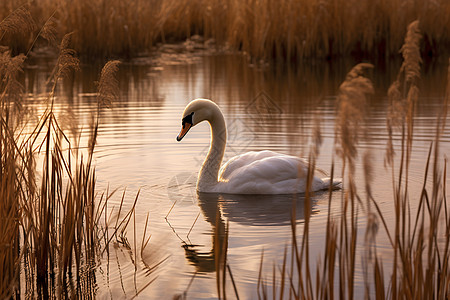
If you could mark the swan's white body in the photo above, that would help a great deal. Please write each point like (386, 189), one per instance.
(264, 172)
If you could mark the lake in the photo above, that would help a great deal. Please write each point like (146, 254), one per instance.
(265, 108)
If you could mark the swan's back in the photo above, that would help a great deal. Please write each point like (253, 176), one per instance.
(237, 162)
(266, 172)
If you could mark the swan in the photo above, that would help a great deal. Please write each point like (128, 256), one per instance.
(262, 172)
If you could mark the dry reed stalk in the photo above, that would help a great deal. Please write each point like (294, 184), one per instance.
(283, 30)
(403, 94)
(59, 216)
(325, 278)
(418, 254)
(48, 32)
(421, 248)
(349, 130)
(60, 220)
(15, 167)
(351, 110)
(341, 235)
(9, 214)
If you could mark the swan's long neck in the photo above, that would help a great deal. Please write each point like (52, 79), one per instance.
(208, 176)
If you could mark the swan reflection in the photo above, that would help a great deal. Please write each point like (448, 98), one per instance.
(245, 210)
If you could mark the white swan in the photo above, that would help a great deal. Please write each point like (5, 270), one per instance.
(264, 172)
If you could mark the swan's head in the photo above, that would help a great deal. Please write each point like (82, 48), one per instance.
(195, 112)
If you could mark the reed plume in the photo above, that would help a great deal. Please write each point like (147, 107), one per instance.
(49, 31)
(10, 87)
(411, 54)
(108, 86)
(67, 62)
(51, 224)
(417, 267)
(351, 110)
(18, 21)
(420, 240)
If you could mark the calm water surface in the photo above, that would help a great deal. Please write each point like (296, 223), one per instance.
(264, 109)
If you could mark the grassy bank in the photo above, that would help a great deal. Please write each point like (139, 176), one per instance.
(270, 30)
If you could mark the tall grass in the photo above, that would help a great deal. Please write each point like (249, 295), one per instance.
(52, 232)
(270, 30)
(419, 239)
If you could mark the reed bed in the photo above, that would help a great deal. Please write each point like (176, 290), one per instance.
(53, 221)
(419, 240)
(286, 31)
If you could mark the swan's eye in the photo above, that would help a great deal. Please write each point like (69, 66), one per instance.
(187, 119)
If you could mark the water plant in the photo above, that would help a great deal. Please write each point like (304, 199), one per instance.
(53, 220)
(419, 239)
(288, 31)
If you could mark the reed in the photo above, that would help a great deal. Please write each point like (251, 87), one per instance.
(418, 253)
(419, 240)
(51, 217)
(287, 31)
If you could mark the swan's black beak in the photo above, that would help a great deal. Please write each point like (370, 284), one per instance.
(184, 130)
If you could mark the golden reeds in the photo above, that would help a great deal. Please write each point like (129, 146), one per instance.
(420, 241)
(339, 258)
(270, 30)
(352, 105)
(10, 192)
(108, 88)
(51, 227)
(17, 27)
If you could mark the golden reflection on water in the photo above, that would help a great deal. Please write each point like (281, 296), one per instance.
(271, 109)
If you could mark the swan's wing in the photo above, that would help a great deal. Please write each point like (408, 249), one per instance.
(240, 161)
(272, 168)
(267, 172)
(263, 173)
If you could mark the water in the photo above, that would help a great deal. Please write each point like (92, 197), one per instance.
(264, 109)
